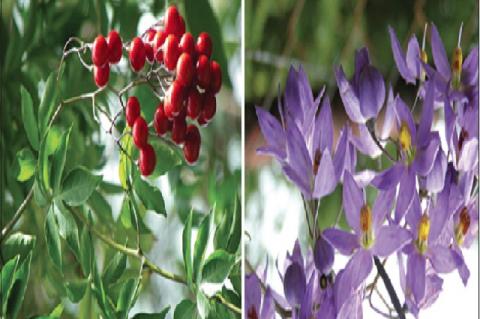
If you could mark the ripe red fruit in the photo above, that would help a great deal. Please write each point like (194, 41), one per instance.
(149, 52)
(137, 54)
(216, 76)
(140, 132)
(187, 44)
(160, 121)
(209, 106)
(201, 120)
(114, 47)
(100, 51)
(185, 69)
(174, 100)
(203, 71)
(147, 160)
(178, 130)
(191, 148)
(194, 103)
(204, 44)
(158, 41)
(101, 74)
(150, 34)
(171, 52)
(174, 23)
(132, 110)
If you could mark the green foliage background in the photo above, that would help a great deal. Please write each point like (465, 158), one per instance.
(33, 34)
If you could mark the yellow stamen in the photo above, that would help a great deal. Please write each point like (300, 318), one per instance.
(423, 232)
(405, 138)
(462, 227)
(457, 62)
(366, 226)
(424, 57)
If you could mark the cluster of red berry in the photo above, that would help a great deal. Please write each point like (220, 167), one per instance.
(194, 82)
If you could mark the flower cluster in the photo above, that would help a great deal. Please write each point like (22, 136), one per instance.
(426, 208)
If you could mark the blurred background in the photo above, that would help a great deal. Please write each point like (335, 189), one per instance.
(33, 34)
(320, 35)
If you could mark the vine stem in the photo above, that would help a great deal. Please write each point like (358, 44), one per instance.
(17, 215)
(391, 291)
(147, 263)
(379, 145)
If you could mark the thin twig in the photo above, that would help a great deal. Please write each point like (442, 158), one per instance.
(391, 291)
(16, 216)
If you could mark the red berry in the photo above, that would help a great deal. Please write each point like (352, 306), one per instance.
(203, 71)
(114, 47)
(194, 103)
(132, 110)
(174, 23)
(201, 120)
(178, 130)
(150, 34)
(171, 52)
(209, 106)
(140, 132)
(137, 54)
(147, 160)
(204, 44)
(216, 76)
(185, 69)
(187, 44)
(174, 99)
(101, 74)
(158, 41)
(100, 51)
(191, 148)
(149, 52)
(160, 121)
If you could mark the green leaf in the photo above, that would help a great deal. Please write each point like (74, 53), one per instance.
(52, 238)
(76, 289)
(222, 233)
(187, 248)
(103, 301)
(47, 103)
(200, 246)
(217, 266)
(167, 157)
(17, 244)
(186, 309)
(115, 269)
(101, 207)
(236, 230)
(58, 162)
(203, 305)
(43, 175)
(57, 311)
(208, 23)
(28, 118)
(160, 315)
(150, 196)
(125, 166)
(127, 295)
(78, 186)
(7, 279)
(26, 162)
(86, 252)
(17, 292)
(125, 213)
(67, 227)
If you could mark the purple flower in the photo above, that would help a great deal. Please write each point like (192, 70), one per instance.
(426, 247)
(303, 141)
(433, 287)
(370, 236)
(407, 64)
(254, 306)
(364, 95)
(308, 284)
(419, 149)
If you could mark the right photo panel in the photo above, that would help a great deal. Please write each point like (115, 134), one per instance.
(361, 159)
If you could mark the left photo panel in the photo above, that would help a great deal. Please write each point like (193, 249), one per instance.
(120, 165)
